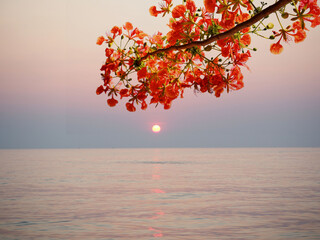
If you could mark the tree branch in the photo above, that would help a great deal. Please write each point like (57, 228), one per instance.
(273, 8)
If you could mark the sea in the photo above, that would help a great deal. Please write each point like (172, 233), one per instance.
(200, 193)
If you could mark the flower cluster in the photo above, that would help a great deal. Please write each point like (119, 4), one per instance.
(145, 69)
(302, 12)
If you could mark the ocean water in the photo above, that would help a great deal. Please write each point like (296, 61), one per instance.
(160, 193)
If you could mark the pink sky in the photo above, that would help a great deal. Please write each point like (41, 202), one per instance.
(49, 70)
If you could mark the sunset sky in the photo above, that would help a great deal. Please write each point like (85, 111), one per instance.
(49, 71)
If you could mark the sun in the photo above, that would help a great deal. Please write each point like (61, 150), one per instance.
(156, 128)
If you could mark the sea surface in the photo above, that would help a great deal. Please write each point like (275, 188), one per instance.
(267, 193)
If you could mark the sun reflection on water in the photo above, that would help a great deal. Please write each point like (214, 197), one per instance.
(156, 175)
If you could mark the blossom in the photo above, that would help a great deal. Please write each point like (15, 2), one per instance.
(299, 36)
(243, 17)
(168, 2)
(172, 91)
(179, 11)
(191, 6)
(112, 102)
(245, 39)
(100, 40)
(144, 105)
(167, 105)
(130, 107)
(276, 48)
(305, 2)
(116, 31)
(210, 5)
(99, 90)
(173, 36)
(162, 71)
(315, 22)
(128, 26)
(142, 73)
(153, 11)
(109, 52)
(124, 93)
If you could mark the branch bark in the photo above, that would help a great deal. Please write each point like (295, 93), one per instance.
(273, 8)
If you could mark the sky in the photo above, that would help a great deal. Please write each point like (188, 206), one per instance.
(49, 71)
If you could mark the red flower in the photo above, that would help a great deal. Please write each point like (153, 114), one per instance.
(124, 93)
(245, 39)
(100, 40)
(142, 73)
(128, 26)
(167, 105)
(173, 36)
(130, 107)
(276, 48)
(210, 5)
(243, 17)
(153, 11)
(315, 22)
(179, 11)
(191, 6)
(99, 90)
(112, 102)
(299, 36)
(218, 90)
(109, 51)
(172, 92)
(144, 105)
(116, 31)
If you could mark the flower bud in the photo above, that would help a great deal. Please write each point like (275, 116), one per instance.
(285, 15)
(270, 26)
(208, 48)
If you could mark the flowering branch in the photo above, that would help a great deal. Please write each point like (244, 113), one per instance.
(139, 66)
(259, 16)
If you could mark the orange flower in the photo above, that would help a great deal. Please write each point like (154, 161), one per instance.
(128, 26)
(242, 57)
(218, 90)
(276, 48)
(245, 30)
(243, 17)
(100, 40)
(172, 92)
(210, 5)
(173, 36)
(142, 73)
(153, 11)
(225, 51)
(296, 25)
(228, 22)
(116, 31)
(315, 22)
(124, 93)
(179, 11)
(144, 105)
(99, 90)
(299, 36)
(109, 52)
(158, 39)
(112, 102)
(167, 105)
(130, 107)
(246, 39)
(191, 6)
